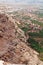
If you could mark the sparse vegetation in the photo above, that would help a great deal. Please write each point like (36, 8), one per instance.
(35, 34)
(41, 56)
(26, 17)
(25, 29)
(37, 22)
(35, 45)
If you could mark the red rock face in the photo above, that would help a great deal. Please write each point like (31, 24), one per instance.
(6, 33)
(3, 46)
(2, 43)
(9, 41)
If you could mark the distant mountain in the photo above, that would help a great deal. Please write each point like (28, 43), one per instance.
(22, 1)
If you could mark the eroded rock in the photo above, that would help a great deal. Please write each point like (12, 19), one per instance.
(13, 46)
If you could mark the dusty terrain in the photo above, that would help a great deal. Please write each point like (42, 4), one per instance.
(13, 44)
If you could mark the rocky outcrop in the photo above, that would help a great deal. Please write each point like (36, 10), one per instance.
(13, 45)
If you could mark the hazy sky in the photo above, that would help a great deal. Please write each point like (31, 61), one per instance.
(22, 1)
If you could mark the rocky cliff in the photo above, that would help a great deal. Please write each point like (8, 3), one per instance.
(13, 44)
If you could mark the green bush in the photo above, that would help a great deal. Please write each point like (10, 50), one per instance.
(35, 34)
(25, 29)
(35, 45)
